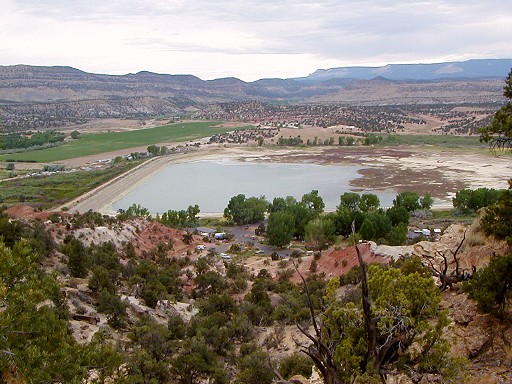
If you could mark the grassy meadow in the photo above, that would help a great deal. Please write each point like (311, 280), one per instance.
(50, 191)
(93, 144)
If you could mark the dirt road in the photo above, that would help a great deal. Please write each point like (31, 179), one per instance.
(101, 197)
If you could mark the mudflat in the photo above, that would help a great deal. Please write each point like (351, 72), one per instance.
(440, 172)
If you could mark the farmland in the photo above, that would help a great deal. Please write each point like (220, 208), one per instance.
(92, 144)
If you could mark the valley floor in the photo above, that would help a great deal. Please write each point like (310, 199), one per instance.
(440, 172)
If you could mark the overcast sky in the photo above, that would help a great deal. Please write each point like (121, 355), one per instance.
(249, 39)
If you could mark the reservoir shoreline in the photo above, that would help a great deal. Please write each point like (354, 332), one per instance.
(444, 172)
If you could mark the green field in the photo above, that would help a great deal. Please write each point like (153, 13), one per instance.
(93, 144)
(49, 191)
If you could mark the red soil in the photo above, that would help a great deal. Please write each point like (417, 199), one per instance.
(338, 263)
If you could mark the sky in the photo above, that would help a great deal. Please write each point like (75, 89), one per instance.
(249, 39)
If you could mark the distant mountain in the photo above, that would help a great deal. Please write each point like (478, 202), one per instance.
(471, 69)
(46, 97)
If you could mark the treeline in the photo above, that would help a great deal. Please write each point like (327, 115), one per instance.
(171, 218)
(30, 139)
(291, 219)
(297, 141)
(469, 200)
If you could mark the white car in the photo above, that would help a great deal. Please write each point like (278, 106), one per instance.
(225, 255)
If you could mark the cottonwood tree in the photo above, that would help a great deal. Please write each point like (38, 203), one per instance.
(320, 232)
(280, 228)
(242, 210)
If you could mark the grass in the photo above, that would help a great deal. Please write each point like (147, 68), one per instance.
(4, 174)
(50, 191)
(93, 144)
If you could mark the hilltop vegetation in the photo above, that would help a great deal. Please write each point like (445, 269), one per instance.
(163, 310)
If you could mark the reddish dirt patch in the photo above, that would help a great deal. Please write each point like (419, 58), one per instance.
(338, 263)
(152, 234)
(25, 212)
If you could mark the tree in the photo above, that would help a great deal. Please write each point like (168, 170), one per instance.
(295, 364)
(426, 201)
(408, 200)
(313, 201)
(491, 287)
(497, 218)
(135, 210)
(78, 256)
(398, 234)
(350, 200)
(441, 270)
(255, 369)
(302, 215)
(75, 134)
(242, 210)
(369, 202)
(36, 341)
(468, 200)
(320, 232)
(193, 211)
(281, 203)
(153, 150)
(499, 133)
(195, 362)
(115, 309)
(398, 326)
(398, 215)
(280, 228)
(342, 219)
(376, 225)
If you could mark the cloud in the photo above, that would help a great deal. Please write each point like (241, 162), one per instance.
(249, 38)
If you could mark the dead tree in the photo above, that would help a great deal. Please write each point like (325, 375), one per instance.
(319, 351)
(381, 348)
(441, 271)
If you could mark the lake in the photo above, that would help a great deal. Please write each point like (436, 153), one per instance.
(211, 183)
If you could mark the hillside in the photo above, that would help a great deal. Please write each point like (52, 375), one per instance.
(176, 296)
(452, 70)
(49, 97)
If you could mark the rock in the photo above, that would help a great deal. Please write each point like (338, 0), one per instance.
(462, 309)
(487, 379)
(88, 318)
(298, 379)
(399, 378)
(431, 379)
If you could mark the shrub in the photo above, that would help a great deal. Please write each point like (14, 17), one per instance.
(295, 364)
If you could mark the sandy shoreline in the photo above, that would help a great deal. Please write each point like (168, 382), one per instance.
(102, 198)
(403, 169)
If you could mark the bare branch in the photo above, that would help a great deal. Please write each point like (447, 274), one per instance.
(456, 251)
